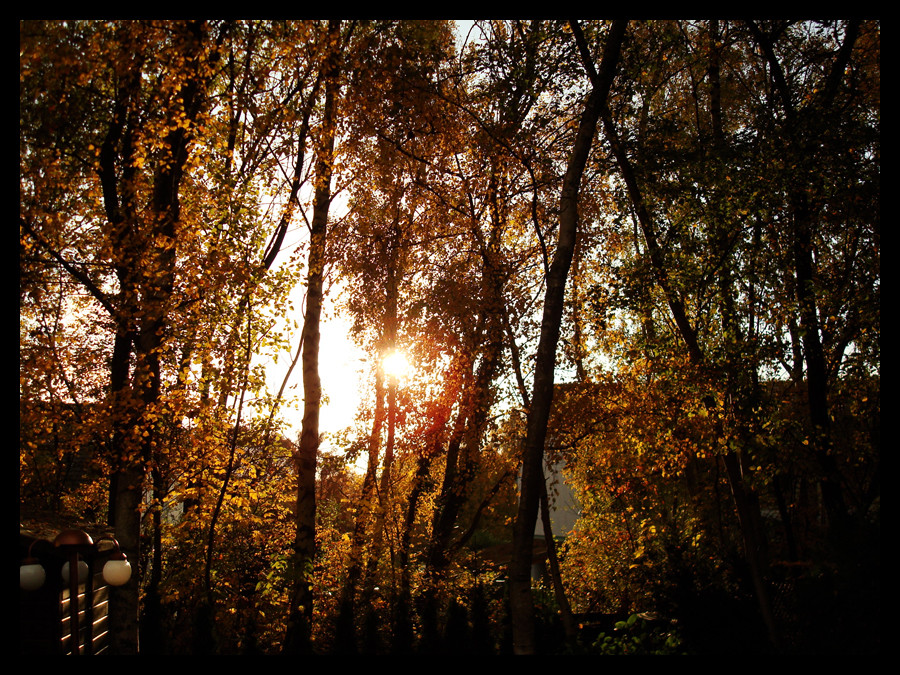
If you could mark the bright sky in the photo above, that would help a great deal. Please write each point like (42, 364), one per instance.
(342, 369)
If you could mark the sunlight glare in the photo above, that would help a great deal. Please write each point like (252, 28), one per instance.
(396, 365)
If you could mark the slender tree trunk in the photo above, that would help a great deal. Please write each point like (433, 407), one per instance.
(800, 121)
(118, 199)
(816, 366)
(461, 454)
(565, 609)
(739, 370)
(151, 609)
(298, 635)
(521, 602)
(346, 622)
(124, 503)
(388, 344)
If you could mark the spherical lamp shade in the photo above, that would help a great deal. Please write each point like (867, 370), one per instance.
(82, 571)
(117, 572)
(31, 575)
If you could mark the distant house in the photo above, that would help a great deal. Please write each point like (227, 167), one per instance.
(564, 506)
(564, 512)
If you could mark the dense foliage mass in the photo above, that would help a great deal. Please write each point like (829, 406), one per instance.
(683, 216)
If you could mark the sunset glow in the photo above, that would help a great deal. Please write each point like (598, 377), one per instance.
(396, 365)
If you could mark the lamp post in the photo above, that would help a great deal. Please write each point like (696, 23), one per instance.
(80, 553)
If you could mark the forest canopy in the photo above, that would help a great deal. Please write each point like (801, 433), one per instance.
(632, 262)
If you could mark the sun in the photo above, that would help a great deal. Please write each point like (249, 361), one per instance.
(396, 365)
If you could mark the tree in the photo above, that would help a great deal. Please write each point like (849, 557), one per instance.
(521, 604)
(799, 123)
(151, 240)
(142, 222)
(694, 176)
(298, 634)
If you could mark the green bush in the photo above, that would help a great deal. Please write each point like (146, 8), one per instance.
(638, 636)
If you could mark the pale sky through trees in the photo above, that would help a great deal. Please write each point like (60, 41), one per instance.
(342, 364)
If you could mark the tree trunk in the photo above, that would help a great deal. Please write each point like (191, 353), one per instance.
(521, 601)
(800, 122)
(298, 634)
(346, 622)
(565, 609)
